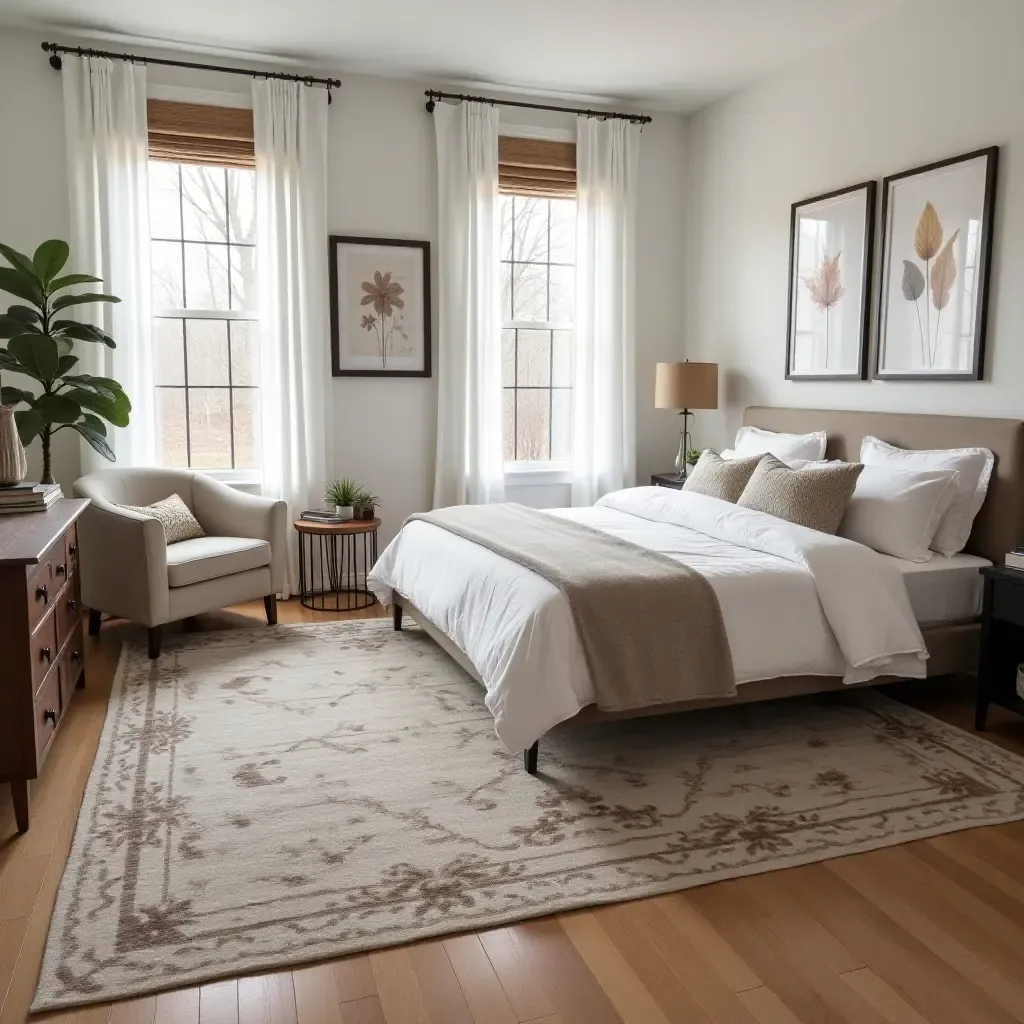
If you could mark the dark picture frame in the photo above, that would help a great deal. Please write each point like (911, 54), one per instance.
(981, 270)
(379, 309)
(869, 188)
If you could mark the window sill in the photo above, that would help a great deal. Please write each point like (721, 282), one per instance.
(243, 479)
(538, 474)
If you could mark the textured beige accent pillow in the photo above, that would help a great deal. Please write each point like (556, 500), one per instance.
(720, 478)
(175, 516)
(816, 498)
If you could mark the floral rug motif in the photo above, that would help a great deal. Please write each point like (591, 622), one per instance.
(268, 797)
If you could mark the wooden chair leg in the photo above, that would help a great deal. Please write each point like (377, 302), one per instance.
(94, 622)
(154, 641)
(270, 605)
(530, 758)
(396, 615)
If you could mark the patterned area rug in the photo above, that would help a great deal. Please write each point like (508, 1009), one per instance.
(266, 797)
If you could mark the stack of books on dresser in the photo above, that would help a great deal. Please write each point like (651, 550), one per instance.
(1015, 559)
(28, 498)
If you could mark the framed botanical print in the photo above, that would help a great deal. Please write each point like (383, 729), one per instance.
(937, 225)
(831, 241)
(380, 307)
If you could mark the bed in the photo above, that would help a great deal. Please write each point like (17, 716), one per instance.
(511, 632)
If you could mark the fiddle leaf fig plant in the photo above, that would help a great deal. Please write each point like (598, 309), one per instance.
(41, 339)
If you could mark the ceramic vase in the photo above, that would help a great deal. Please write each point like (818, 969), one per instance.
(13, 464)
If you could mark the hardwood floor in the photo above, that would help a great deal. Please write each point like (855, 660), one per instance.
(930, 931)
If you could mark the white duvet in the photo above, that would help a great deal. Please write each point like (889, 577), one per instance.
(794, 601)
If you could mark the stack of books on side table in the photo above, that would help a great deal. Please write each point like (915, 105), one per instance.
(1015, 559)
(322, 515)
(28, 498)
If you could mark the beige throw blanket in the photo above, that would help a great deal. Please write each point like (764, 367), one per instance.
(650, 627)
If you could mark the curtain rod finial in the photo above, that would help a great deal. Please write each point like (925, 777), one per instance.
(430, 105)
(55, 62)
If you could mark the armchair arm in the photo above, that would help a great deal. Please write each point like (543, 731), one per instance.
(226, 512)
(123, 563)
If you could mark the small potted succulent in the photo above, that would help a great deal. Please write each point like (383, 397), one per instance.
(693, 456)
(342, 494)
(365, 504)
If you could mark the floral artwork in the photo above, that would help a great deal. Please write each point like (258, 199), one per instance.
(380, 307)
(826, 288)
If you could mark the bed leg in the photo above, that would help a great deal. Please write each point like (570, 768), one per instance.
(396, 615)
(530, 758)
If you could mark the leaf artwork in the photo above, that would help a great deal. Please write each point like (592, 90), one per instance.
(385, 294)
(944, 274)
(826, 289)
(928, 237)
(913, 281)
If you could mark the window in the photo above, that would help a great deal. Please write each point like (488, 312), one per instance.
(538, 256)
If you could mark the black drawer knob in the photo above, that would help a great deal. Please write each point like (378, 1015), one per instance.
(72, 604)
(76, 655)
(49, 715)
(46, 654)
(62, 570)
(42, 594)
(72, 550)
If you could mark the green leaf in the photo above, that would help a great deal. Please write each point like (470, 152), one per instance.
(19, 260)
(8, 362)
(95, 439)
(94, 423)
(24, 314)
(30, 423)
(81, 332)
(65, 363)
(115, 410)
(18, 282)
(12, 396)
(50, 258)
(69, 280)
(37, 353)
(59, 408)
(86, 380)
(74, 300)
(9, 327)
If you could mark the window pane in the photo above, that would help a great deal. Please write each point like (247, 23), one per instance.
(508, 432)
(561, 425)
(168, 352)
(530, 292)
(506, 228)
(166, 271)
(506, 291)
(245, 353)
(563, 294)
(561, 359)
(534, 359)
(242, 205)
(243, 278)
(204, 203)
(209, 418)
(508, 358)
(563, 230)
(532, 425)
(170, 417)
(206, 276)
(207, 352)
(164, 204)
(530, 230)
(245, 413)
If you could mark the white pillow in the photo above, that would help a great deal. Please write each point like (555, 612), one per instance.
(974, 466)
(755, 441)
(898, 511)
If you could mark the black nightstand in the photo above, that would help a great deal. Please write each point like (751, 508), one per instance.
(1002, 641)
(667, 480)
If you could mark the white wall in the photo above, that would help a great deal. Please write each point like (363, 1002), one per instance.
(382, 169)
(933, 79)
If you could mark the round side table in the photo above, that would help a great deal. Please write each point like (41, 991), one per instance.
(334, 561)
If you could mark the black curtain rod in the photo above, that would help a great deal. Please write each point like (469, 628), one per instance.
(55, 62)
(433, 94)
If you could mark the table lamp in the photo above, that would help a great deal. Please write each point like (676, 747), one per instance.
(684, 387)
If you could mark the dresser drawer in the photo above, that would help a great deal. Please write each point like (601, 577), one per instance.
(45, 582)
(70, 667)
(71, 548)
(43, 650)
(46, 710)
(67, 611)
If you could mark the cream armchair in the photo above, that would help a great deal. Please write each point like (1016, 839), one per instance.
(128, 570)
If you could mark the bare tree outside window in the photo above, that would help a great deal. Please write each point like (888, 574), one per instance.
(206, 352)
(538, 257)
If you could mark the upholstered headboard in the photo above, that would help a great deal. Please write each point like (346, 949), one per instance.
(999, 526)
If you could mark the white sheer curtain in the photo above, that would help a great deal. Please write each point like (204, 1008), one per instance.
(108, 156)
(290, 133)
(604, 413)
(469, 467)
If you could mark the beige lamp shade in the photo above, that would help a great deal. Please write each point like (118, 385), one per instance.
(686, 386)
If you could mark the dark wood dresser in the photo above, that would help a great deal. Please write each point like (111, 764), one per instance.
(41, 651)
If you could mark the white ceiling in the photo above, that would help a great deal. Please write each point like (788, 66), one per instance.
(675, 54)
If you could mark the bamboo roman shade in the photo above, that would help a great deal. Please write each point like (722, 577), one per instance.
(193, 133)
(536, 167)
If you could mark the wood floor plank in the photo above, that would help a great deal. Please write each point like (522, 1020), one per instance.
(316, 1002)
(19, 893)
(353, 978)
(397, 988)
(439, 987)
(627, 992)
(362, 1011)
(267, 999)
(886, 1000)
(12, 934)
(767, 1008)
(180, 1007)
(134, 1011)
(484, 994)
(942, 849)
(218, 1003)
(528, 999)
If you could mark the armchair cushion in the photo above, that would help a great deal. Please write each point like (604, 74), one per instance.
(175, 516)
(206, 558)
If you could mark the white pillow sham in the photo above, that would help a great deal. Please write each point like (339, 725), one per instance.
(974, 466)
(898, 511)
(786, 447)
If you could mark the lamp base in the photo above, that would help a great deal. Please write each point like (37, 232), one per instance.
(684, 445)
